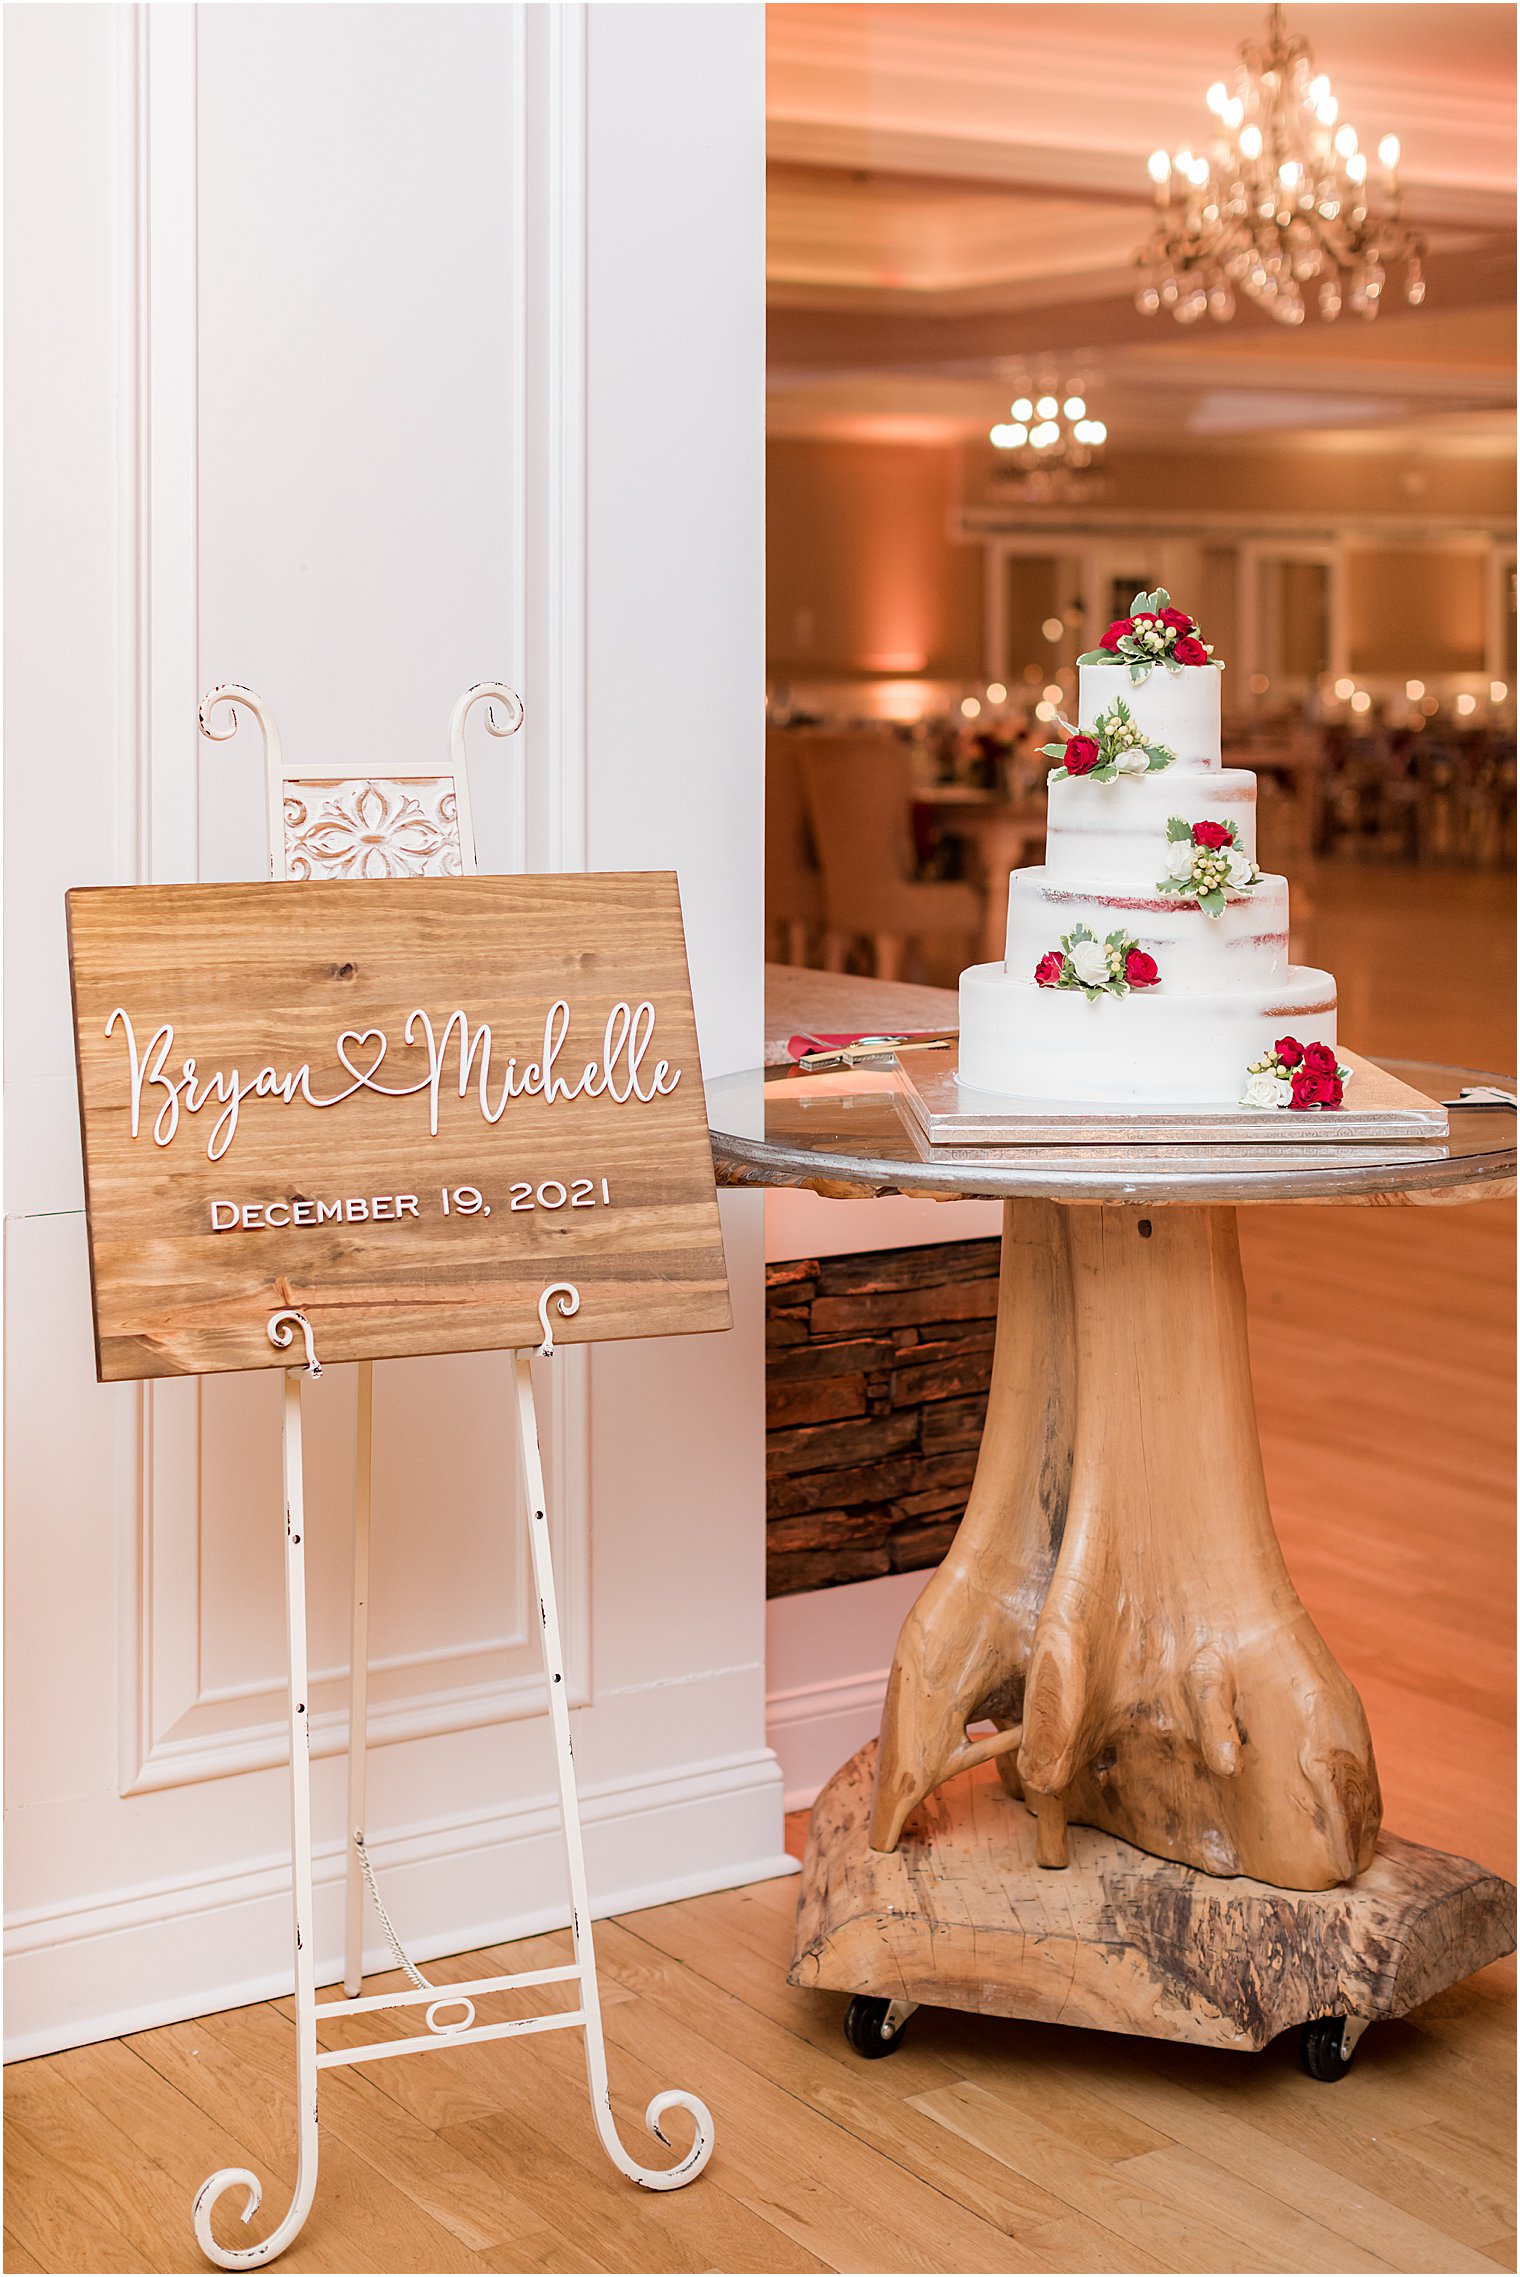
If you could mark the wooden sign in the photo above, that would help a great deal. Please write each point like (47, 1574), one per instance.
(405, 1108)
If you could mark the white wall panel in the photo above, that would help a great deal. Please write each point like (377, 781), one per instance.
(328, 333)
(675, 705)
(360, 326)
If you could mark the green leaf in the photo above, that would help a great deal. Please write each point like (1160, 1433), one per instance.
(1212, 904)
(1052, 751)
(1156, 760)
(1105, 773)
(1097, 656)
(1177, 829)
(1161, 599)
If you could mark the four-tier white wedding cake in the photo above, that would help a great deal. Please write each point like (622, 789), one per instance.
(1147, 957)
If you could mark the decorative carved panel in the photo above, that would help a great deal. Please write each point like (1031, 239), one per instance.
(373, 826)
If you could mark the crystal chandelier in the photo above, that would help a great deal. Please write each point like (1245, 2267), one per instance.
(1282, 208)
(1050, 445)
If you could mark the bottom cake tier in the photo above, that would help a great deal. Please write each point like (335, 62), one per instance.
(1021, 1041)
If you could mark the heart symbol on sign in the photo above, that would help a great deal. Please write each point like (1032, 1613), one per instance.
(362, 1076)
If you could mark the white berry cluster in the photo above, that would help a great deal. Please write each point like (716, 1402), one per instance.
(1205, 868)
(1130, 752)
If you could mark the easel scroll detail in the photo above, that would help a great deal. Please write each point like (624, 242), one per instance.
(569, 1304)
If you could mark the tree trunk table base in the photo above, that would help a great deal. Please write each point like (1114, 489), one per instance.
(1115, 1601)
(960, 1915)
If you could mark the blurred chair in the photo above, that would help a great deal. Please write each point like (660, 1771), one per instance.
(1289, 761)
(1484, 802)
(793, 880)
(1437, 805)
(858, 791)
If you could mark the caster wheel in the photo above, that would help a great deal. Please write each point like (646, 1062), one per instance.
(865, 2027)
(1323, 2049)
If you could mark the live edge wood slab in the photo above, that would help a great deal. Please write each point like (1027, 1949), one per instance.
(961, 1915)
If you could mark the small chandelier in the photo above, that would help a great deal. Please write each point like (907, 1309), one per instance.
(1050, 445)
(1283, 208)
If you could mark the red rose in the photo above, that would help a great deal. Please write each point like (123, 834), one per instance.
(1178, 622)
(1336, 1093)
(1190, 651)
(1082, 755)
(1311, 1090)
(1140, 970)
(1117, 631)
(1319, 1059)
(1048, 971)
(1213, 834)
(1289, 1050)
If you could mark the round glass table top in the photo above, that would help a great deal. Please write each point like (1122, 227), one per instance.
(851, 1135)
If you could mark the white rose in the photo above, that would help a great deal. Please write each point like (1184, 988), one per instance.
(1131, 762)
(1090, 959)
(1179, 859)
(1266, 1091)
(1242, 870)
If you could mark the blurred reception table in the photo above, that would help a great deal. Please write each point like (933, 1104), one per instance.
(1002, 836)
(1120, 1779)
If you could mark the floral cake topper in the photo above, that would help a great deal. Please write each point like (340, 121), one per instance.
(1153, 633)
(1099, 968)
(1205, 861)
(1115, 747)
(1296, 1075)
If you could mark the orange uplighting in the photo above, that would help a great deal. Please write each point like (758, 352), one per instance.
(901, 700)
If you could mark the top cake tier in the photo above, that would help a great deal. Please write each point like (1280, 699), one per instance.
(1179, 709)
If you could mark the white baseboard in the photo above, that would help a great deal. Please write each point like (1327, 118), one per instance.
(827, 1654)
(816, 1727)
(224, 1940)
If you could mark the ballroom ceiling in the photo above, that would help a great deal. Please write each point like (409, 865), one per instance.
(956, 193)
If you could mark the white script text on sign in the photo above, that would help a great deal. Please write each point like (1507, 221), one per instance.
(617, 1074)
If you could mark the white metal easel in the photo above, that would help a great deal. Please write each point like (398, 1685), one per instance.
(322, 823)
(412, 822)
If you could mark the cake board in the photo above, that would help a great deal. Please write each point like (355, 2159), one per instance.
(947, 1112)
(960, 1915)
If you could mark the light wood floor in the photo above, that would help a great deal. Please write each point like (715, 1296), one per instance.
(1384, 1359)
